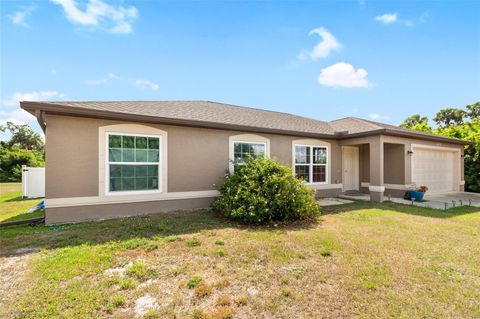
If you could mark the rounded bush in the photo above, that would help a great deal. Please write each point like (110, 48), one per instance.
(262, 190)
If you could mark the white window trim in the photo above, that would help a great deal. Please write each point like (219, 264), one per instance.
(313, 143)
(108, 192)
(103, 163)
(245, 138)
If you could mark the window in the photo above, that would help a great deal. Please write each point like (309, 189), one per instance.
(311, 163)
(133, 163)
(243, 150)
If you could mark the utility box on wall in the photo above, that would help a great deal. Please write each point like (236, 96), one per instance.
(33, 182)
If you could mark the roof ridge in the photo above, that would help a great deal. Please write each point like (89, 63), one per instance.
(371, 123)
(264, 110)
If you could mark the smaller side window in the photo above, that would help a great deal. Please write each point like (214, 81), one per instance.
(244, 150)
(311, 163)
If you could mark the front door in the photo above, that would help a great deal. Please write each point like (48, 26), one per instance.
(350, 168)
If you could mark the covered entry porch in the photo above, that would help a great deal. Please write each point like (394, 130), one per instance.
(385, 166)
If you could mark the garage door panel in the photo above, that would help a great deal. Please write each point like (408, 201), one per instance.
(433, 168)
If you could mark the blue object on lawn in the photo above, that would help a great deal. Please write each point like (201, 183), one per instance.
(41, 205)
(418, 196)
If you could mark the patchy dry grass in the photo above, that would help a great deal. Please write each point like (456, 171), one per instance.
(12, 204)
(358, 260)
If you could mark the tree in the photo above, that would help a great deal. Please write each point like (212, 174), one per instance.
(25, 147)
(473, 110)
(23, 136)
(12, 159)
(450, 116)
(417, 123)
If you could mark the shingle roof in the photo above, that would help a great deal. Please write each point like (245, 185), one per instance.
(356, 125)
(227, 116)
(208, 112)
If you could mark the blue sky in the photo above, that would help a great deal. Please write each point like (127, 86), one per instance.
(377, 60)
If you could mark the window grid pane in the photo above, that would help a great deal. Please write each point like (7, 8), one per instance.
(133, 177)
(319, 174)
(303, 172)
(310, 163)
(241, 151)
(131, 150)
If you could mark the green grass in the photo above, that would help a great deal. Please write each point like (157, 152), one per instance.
(358, 260)
(12, 205)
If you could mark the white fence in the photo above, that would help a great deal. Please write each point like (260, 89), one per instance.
(33, 182)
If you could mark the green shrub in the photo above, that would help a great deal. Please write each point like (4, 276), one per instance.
(127, 283)
(194, 281)
(193, 242)
(139, 270)
(117, 301)
(261, 191)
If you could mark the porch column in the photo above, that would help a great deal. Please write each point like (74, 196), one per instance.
(376, 187)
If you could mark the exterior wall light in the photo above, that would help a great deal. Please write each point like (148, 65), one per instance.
(410, 152)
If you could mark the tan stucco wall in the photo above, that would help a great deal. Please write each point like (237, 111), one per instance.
(364, 157)
(394, 163)
(197, 157)
(63, 215)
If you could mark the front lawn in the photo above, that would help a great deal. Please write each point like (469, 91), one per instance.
(12, 205)
(359, 260)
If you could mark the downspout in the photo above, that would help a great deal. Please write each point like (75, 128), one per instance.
(42, 119)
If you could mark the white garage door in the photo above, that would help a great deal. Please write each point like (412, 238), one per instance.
(433, 168)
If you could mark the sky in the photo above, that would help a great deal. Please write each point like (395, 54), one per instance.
(379, 60)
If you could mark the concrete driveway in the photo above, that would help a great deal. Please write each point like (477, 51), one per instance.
(465, 197)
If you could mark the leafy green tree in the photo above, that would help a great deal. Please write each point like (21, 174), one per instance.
(450, 116)
(24, 136)
(474, 110)
(12, 159)
(417, 122)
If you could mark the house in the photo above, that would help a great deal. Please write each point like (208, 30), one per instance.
(111, 159)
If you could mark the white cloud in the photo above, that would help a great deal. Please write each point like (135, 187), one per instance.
(19, 17)
(110, 76)
(98, 14)
(343, 75)
(32, 96)
(96, 82)
(387, 18)
(323, 49)
(16, 116)
(377, 116)
(146, 84)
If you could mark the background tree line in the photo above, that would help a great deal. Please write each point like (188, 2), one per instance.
(25, 147)
(457, 123)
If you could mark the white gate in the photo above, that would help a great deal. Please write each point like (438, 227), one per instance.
(33, 182)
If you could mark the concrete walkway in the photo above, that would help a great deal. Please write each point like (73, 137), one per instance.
(330, 201)
(436, 201)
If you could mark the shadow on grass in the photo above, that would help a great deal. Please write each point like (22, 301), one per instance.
(21, 199)
(400, 208)
(23, 216)
(139, 228)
